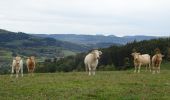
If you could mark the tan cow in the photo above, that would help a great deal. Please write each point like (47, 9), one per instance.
(140, 60)
(91, 61)
(31, 64)
(156, 62)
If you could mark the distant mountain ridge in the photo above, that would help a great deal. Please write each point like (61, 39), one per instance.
(94, 39)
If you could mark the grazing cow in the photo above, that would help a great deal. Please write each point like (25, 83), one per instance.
(17, 65)
(156, 62)
(91, 61)
(31, 64)
(139, 60)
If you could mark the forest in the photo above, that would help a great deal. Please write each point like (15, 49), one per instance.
(113, 58)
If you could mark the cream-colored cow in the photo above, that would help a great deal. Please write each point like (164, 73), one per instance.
(17, 65)
(140, 60)
(91, 61)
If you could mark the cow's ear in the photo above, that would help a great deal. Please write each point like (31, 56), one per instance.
(100, 53)
(132, 54)
(93, 52)
(162, 55)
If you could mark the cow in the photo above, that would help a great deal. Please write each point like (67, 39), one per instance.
(17, 65)
(30, 64)
(156, 62)
(140, 60)
(91, 61)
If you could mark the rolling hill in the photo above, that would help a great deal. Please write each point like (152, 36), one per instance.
(96, 39)
(22, 40)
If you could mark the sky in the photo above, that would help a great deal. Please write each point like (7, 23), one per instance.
(107, 17)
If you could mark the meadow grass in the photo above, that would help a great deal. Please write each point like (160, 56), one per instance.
(105, 85)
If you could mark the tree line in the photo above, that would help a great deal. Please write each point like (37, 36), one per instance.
(113, 58)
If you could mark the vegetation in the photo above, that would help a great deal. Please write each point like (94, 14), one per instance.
(26, 45)
(105, 85)
(48, 50)
(114, 57)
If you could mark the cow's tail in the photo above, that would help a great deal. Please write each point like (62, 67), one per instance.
(86, 67)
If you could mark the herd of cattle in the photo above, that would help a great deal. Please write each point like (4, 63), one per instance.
(91, 61)
(17, 65)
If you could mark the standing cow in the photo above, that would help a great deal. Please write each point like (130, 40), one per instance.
(140, 60)
(156, 62)
(17, 65)
(31, 64)
(91, 61)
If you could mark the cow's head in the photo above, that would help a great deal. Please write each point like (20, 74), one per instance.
(97, 53)
(159, 56)
(135, 56)
(17, 59)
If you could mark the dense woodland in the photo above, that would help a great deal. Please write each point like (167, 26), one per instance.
(113, 58)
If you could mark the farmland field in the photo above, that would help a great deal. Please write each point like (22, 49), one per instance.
(105, 85)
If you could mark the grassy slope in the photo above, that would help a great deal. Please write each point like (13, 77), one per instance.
(106, 85)
(5, 55)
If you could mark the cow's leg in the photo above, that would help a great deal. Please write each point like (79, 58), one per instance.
(139, 68)
(32, 72)
(86, 67)
(135, 68)
(22, 70)
(89, 70)
(154, 68)
(158, 70)
(12, 71)
(146, 68)
(150, 67)
(17, 72)
(94, 69)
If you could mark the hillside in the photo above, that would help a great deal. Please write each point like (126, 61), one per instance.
(26, 45)
(105, 85)
(12, 44)
(115, 57)
(96, 39)
(14, 40)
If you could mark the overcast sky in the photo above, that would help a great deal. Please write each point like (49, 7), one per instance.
(116, 17)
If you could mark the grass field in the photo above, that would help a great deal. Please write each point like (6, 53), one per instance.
(106, 85)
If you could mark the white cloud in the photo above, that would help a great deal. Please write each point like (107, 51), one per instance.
(117, 17)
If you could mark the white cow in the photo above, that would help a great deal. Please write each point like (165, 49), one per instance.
(156, 62)
(91, 61)
(17, 65)
(139, 60)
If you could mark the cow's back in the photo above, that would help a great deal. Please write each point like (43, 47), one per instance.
(144, 59)
(88, 58)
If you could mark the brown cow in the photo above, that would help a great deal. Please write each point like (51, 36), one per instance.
(156, 62)
(31, 64)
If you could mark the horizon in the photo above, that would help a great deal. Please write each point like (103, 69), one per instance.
(88, 34)
(97, 17)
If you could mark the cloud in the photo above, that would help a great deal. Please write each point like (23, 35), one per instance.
(117, 17)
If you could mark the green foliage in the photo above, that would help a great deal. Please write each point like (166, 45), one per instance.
(117, 55)
(120, 56)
